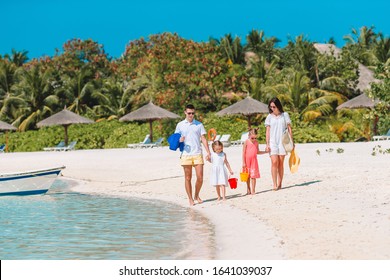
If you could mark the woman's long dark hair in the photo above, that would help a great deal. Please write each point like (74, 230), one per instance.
(277, 103)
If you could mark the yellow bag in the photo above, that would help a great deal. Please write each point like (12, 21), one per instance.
(244, 175)
(294, 161)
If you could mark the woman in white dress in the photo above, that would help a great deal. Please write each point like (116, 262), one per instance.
(219, 176)
(276, 122)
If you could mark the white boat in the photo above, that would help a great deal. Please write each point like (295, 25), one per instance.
(29, 182)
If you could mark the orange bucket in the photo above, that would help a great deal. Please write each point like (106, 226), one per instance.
(233, 183)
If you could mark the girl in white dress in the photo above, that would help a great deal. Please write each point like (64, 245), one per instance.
(219, 176)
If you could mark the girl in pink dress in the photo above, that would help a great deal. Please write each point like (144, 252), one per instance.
(250, 151)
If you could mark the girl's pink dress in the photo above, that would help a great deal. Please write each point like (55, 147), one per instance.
(251, 159)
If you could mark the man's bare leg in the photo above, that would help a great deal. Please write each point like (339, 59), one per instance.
(199, 181)
(187, 182)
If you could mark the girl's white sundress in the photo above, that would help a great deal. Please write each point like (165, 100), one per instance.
(219, 174)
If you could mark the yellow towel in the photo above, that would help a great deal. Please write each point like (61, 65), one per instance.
(294, 161)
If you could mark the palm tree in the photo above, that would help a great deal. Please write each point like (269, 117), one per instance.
(113, 98)
(301, 55)
(7, 78)
(261, 46)
(76, 92)
(365, 37)
(360, 44)
(19, 58)
(35, 98)
(143, 89)
(259, 73)
(231, 49)
(381, 49)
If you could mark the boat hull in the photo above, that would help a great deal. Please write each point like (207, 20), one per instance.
(28, 183)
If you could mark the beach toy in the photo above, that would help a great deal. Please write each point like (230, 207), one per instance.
(211, 134)
(294, 161)
(244, 175)
(233, 183)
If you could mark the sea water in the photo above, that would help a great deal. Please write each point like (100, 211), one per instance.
(64, 225)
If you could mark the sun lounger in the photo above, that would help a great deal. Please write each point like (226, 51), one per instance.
(137, 145)
(70, 147)
(382, 137)
(244, 137)
(59, 145)
(225, 139)
(158, 143)
(2, 148)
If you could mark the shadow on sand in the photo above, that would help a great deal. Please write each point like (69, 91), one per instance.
(270, 190)
(293, 186)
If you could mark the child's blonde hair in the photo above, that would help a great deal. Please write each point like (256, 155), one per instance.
(215, 144)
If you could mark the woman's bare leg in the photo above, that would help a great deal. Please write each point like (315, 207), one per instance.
(274, 170)
(280, 171)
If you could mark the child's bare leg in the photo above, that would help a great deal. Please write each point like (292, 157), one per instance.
(223, 191)
(253, 187)
(218, 192)
(248, 186)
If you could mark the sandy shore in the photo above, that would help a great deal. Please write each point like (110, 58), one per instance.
(336, 207)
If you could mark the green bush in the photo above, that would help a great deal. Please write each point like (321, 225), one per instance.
(115, 134)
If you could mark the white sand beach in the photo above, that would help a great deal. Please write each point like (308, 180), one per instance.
(337, 206)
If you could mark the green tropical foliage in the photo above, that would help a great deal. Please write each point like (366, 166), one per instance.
(173, 71)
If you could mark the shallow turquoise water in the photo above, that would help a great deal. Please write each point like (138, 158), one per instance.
(63, 225)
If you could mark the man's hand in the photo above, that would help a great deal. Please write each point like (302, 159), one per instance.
(208, 157)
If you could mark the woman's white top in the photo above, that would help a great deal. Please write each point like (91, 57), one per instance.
(277, 125)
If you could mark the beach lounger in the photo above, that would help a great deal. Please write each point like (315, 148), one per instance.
(59, 145)
(382, 137)
(2, 148)
(158, 143)
(70, 147)
(137, 145)
(244, 137)
(225, 139)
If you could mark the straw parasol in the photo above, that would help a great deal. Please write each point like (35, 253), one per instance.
(247, 107)
(360, 101)
(64, 118)
(6, 127)
(149, 112)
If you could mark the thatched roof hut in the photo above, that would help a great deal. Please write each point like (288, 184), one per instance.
(361, 101)
(366, 76)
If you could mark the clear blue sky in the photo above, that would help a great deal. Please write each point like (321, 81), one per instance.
(41, 26)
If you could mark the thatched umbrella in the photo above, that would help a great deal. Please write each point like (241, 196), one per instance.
(247, 107)
(361, 101)
(149, 112)
(6, 127)
(64, 118)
